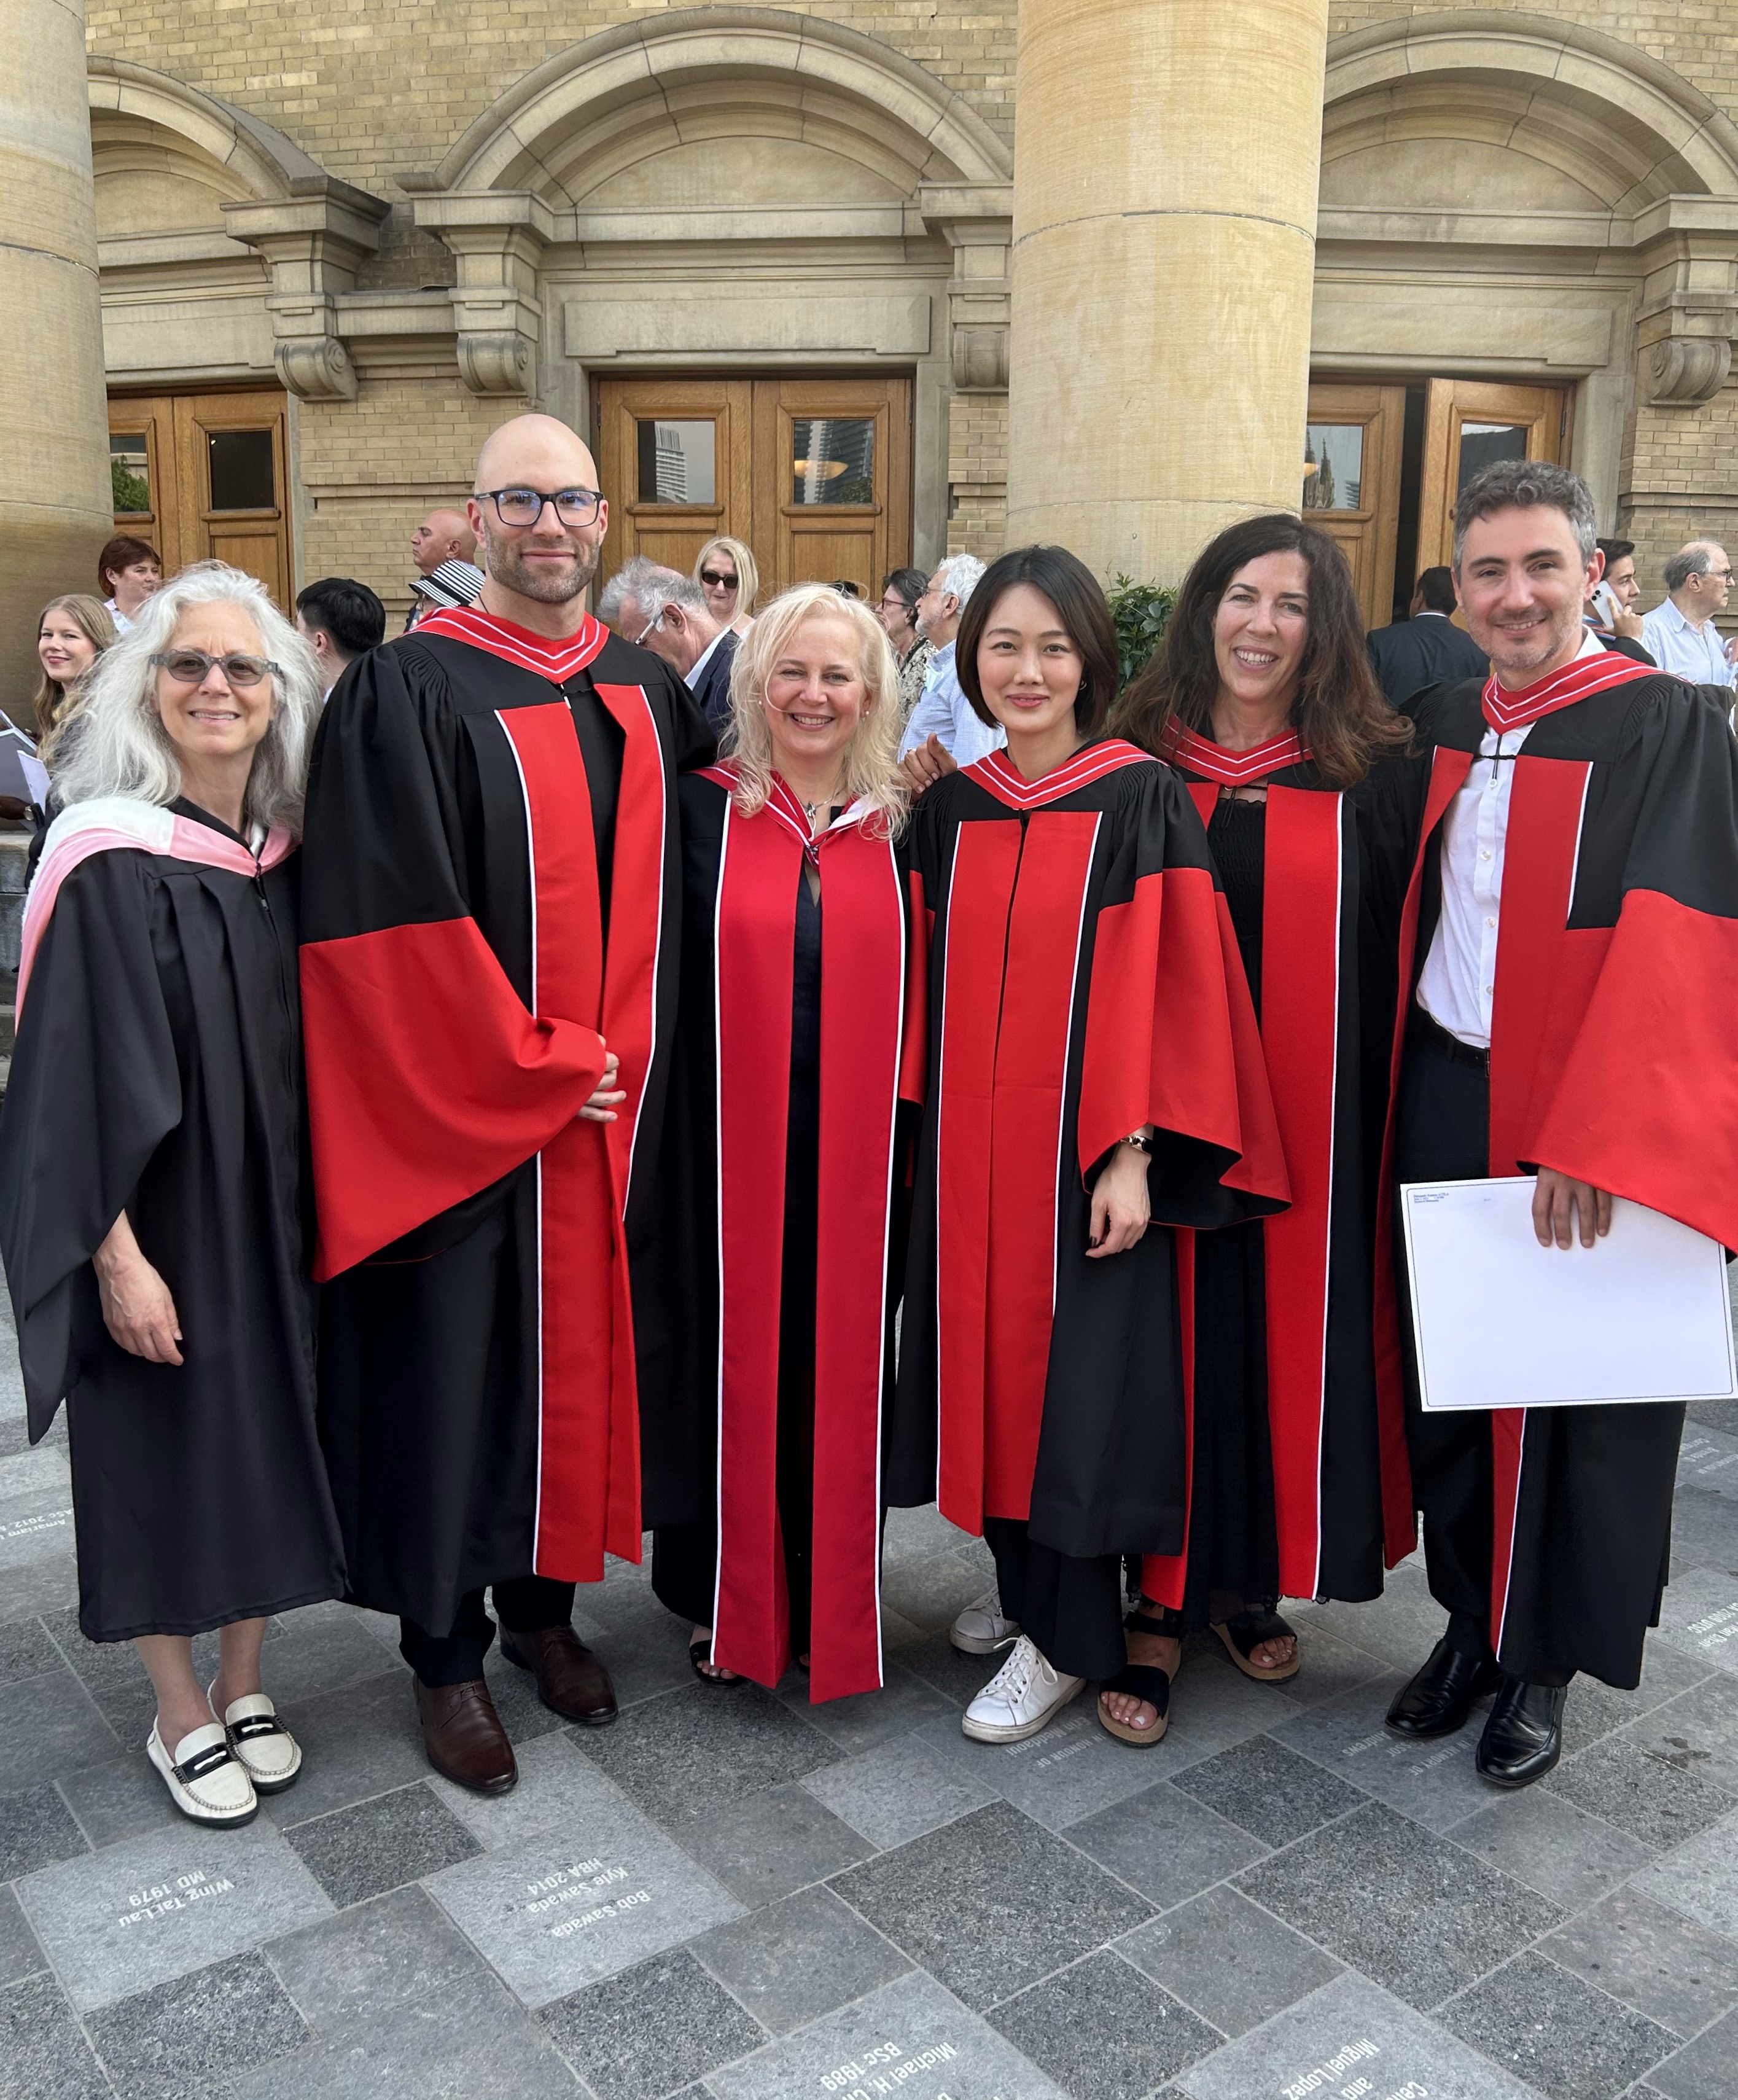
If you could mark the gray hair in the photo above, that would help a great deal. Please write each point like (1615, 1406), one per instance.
(652, 587)
(1697, 559)
(121, 748)
(1528, 485)
(960, 575)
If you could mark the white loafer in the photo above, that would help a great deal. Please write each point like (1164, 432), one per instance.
(206, 1780)
(1024, 1695)
(264, 1748)
(981, 1628)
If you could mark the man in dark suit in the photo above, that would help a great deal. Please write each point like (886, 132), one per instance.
(662, 609)
(1428, 647)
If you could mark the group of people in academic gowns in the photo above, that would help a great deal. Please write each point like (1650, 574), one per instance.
(726, 1144)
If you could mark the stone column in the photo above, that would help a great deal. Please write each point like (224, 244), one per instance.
(1166, 166)
(55, 506)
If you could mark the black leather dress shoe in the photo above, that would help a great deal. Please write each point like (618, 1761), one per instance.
(1439, 1699)
(1523, 1739)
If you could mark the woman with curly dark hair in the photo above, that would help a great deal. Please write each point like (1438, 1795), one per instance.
(1263, 698)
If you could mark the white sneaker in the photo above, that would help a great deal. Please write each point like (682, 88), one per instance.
(206, 1780)
(264, 1748)
(1024, 1695)
(981, 1628)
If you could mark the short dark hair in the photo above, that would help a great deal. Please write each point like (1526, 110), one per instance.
(1339, 712)
(120, 552)
(1079, 600)
(1527, 485)
(1615, 550)
(1436, 588)
(907, 585)
(346, 610)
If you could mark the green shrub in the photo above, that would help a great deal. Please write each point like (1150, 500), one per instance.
(1141, 611)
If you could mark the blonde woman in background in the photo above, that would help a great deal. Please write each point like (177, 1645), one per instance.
(72, 631)
(726, 571)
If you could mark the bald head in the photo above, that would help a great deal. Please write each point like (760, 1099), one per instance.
(536, 451)
(547, 562)
(443, 536)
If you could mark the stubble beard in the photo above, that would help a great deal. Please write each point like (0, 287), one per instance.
(1525, 660)
(543, 581)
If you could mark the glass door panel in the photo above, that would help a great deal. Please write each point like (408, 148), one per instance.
(1352, 442)
(1470, 424)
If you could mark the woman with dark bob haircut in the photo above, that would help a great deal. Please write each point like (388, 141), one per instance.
(1263, 698)
(1094, 1070)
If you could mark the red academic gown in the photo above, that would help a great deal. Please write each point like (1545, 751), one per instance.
(491, 886)
(1614, 1059)
(1083, 980)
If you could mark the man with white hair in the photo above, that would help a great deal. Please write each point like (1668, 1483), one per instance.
(1679, 633)
(944, 724)
(667, 612)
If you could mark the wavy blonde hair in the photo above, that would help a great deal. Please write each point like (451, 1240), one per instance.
(748, 572)
(54, 704)
(871, 773)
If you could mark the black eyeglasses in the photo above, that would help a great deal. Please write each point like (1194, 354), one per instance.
(191, 666)
(525, 506)
(714, 581)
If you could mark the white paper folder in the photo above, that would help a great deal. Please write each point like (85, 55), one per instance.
(1501, 1321)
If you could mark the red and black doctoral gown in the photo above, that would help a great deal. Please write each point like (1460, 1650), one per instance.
(491, 883)
(1613, 1058)
(1335, 864)
(1083, 981)
(809, 1200)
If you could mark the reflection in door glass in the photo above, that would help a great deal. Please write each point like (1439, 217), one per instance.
(1333, 466)
(678, 462)
(1481, 444)
(241, 476)
(130, 470)
(833, 459)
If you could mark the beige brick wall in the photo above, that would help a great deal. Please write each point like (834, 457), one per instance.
(1680, 482)
(977, 474)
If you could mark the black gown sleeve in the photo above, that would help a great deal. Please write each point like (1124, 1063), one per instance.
(95, 1088)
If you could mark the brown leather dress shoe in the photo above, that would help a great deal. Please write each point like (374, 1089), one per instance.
(462, 1732)
(571, 1680)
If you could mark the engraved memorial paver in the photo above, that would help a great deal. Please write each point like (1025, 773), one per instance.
(1699, 1613)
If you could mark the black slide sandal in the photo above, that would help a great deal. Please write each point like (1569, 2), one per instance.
(1139, 1680)
(701, 1652)
(1245, 1631)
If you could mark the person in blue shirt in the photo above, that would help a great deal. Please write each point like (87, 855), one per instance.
(1679, 633)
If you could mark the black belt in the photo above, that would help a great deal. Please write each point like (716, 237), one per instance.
(1445, 1045)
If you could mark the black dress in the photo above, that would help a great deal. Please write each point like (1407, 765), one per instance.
(158, 1070)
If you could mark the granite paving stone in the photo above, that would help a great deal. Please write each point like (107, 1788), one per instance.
(912, 2037)
(1556, 2031)
(1164, 1845)
(36, 1830)
(1708, 1458)
(769, 1845)
(1421, 1916)
(991, 1904)
(791, 1961)
(1594, 1710)
(957, 1675)
(899, 1790)
(1433, 1783)
(558, 1790)
(683, 1755)
(360, 1741)
(26, 1650)
(114, 1923)
(1553, 1846)
(916, 1534)
(1350, 2037)
(122, 1797)
(184, 2038)
(870, 1718)
(1401, 1626)
(1074, 1769)
(1699, 1614)
(1229, 1960)
(1696, 1732)
(1700, 1879)
(1331, 1665)
(376, 1955)
(1104, 2031)
(470, 2041)
(1701, 1531)
(1274, 1793)
(48, 1724)
(1652, 1800)
(1213, 1705)
(933, 1591)
(568, 1905)
(649, 2031)
(356, 1853)
(36, 1526)
(43, 2053)
(1707, 2069)
(19, 1955)
(1674, 1971)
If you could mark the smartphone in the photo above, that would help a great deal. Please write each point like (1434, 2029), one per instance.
(1605, 604)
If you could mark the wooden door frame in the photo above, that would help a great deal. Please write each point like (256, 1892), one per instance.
(172, 419)
(1380, 405)
(1504, 401)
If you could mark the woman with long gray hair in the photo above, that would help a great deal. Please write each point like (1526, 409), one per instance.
(151, 1211)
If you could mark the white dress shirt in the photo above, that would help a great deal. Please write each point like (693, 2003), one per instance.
(943, 710)
(1696, 653)
(1459, 982)
(123, 625)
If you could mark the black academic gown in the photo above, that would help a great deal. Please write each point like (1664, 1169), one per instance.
(799, 1025)
(158, 1071)
(1299, 1480)
(1613, 1058)
(1083, 981)
(493, 883)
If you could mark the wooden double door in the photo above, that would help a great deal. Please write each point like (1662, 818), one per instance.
(1384, 464)
(201, 476)
(813, 475)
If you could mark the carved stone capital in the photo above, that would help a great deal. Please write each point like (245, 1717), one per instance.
(315, 368)
(1683, 371)
(495, 364)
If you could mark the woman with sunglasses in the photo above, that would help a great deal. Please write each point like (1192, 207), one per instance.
(725, 570)
(151, 1196)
